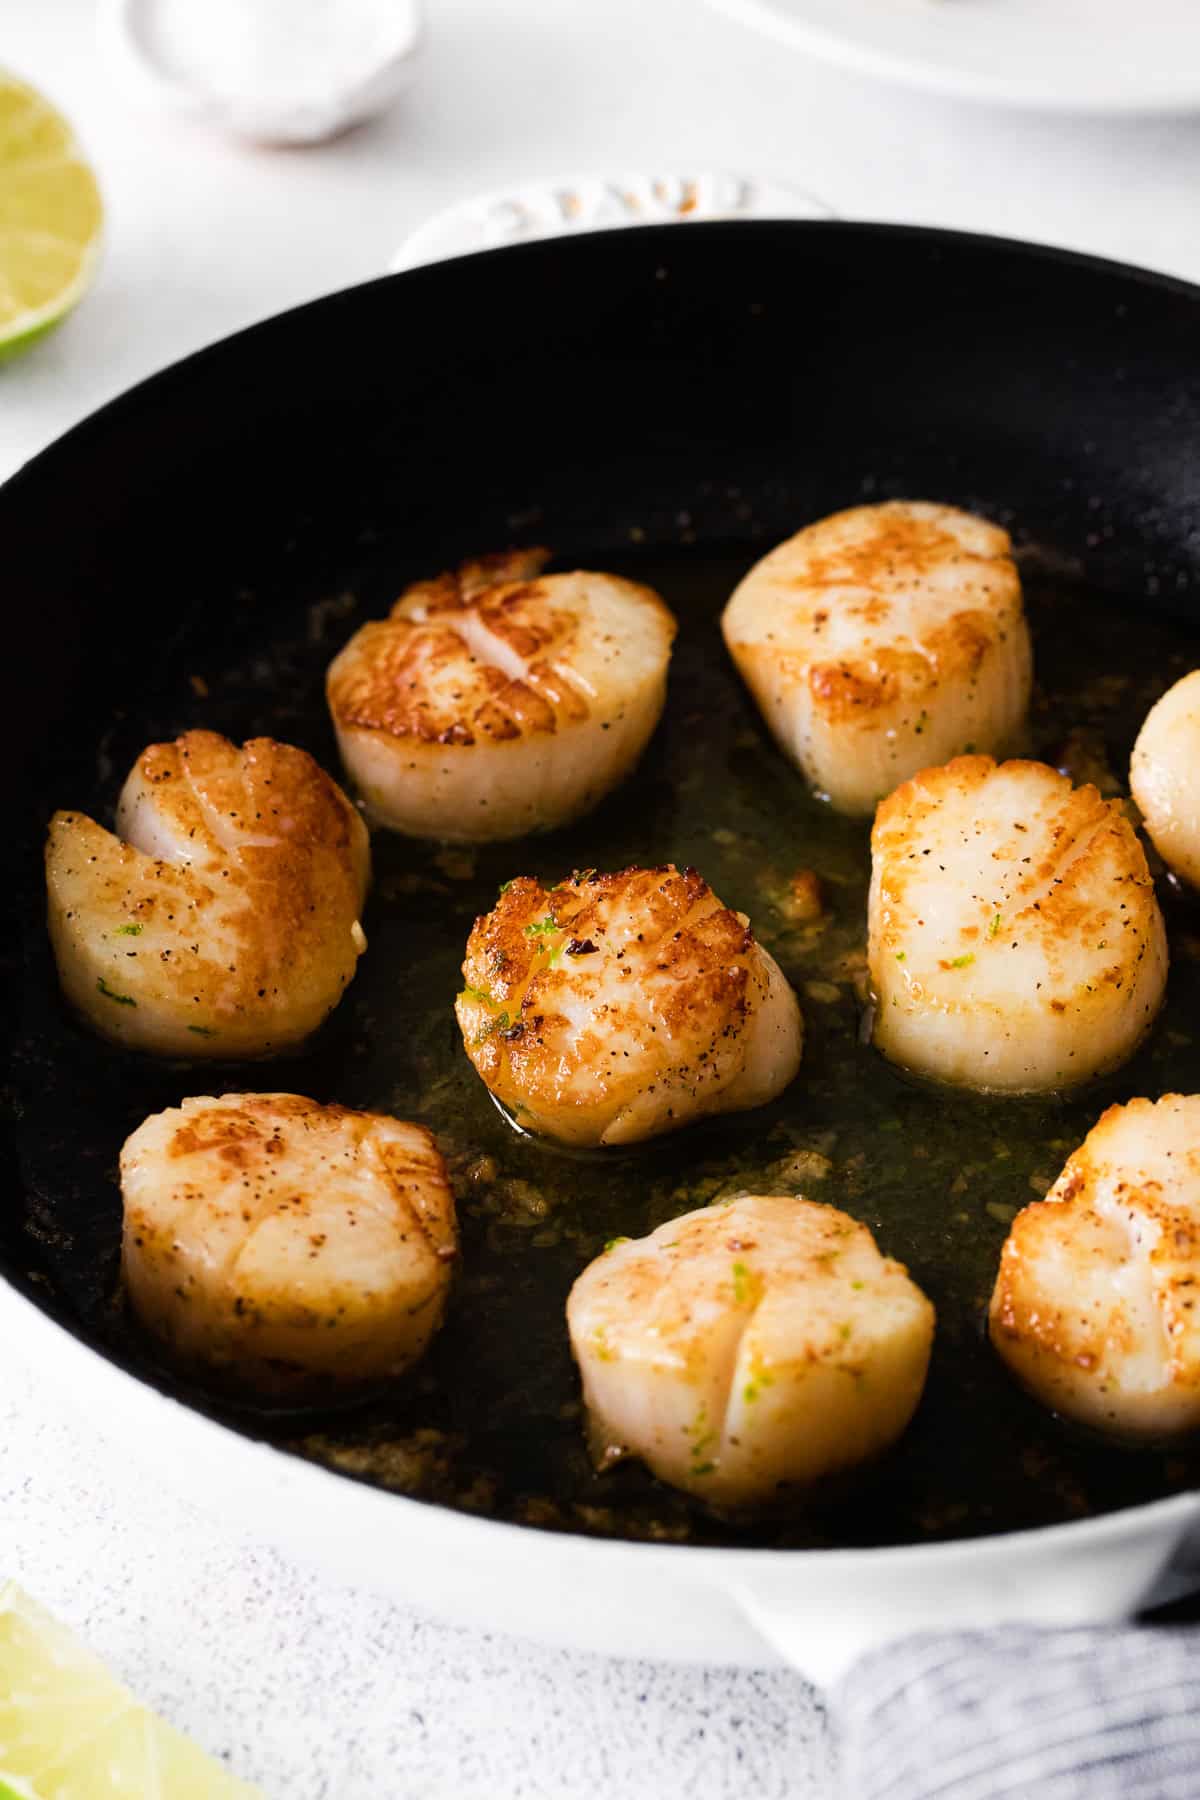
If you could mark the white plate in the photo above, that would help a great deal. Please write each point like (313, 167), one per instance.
(1130, 56)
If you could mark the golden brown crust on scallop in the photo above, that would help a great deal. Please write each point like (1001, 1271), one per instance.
(1065, 1333)
(249, 1136)
(312, 852)
(285, 1246)
(883, 638)
(907, 544)
(745, 1349)
(908, 541)
(302, 871)
(1071, 1310)
(849, 690)
(434, 671)
(610, 991)
(240, 938)
(698, 959)
(498, 701)
(1015, 942)
(1058, 899)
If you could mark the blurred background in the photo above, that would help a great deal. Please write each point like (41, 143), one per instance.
(205, 233)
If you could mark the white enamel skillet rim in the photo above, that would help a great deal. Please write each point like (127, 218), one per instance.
(815, 1609)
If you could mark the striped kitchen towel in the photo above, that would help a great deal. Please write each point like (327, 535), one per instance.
(1109, 1713)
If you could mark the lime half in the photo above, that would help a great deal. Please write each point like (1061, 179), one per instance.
(51, 216)
(69, 1731)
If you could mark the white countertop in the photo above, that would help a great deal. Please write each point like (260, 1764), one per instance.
(310, 1689)
(323, 1693)
(206, 235)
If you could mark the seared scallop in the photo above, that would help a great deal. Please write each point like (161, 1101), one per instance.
(498, 701)
(614, 1007)
(284, 1247)
(748, 1348)
(883, 639)
(1097, 1303)
(224, 919)
(1015, 942)
(1164, 776)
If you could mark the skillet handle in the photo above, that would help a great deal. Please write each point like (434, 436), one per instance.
(822, 1613)
(563, 208)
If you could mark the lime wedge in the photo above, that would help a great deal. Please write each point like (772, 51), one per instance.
(50, 217)
(69, 1731)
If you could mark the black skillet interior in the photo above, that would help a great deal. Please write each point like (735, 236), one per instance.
(666, 403)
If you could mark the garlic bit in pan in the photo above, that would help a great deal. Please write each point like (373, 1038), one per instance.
(1015, 941)
(1164, 777)
(499, 701)
(223, 920)
(611, 1008)
(1096, 1308)
(287, 1250)
(881, 640)
(749, 1348)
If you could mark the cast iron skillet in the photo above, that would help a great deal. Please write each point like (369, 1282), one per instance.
(665, 402)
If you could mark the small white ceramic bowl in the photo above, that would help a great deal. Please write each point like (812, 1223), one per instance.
(260, 70)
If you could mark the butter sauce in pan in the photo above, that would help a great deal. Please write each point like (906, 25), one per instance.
(490, 1420)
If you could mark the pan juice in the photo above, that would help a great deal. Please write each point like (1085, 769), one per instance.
(491, 1421)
